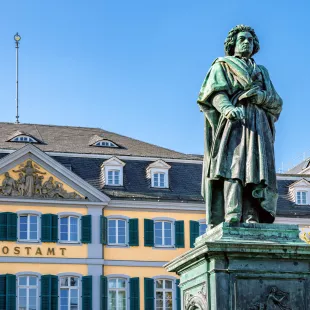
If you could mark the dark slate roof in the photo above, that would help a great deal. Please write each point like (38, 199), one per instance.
(184, 179)
(67, 139)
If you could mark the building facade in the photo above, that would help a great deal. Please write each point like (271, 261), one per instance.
(88, 218)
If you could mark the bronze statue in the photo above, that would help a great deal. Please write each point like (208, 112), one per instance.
(240, 106)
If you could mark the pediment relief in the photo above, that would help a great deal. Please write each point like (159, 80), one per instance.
(28, 179)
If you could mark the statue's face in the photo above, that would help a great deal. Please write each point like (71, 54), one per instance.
(244, 44)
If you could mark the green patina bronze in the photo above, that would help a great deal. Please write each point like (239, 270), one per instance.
(240, 106)
(243, 262)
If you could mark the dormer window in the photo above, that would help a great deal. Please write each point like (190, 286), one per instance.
(105, 143)
(301, 197)
(112, 172)
(24, 139)
(158, 173)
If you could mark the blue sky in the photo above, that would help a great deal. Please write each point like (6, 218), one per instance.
(135, 67)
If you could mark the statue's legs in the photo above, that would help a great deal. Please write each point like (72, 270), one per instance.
(240, 205)
(233, 193)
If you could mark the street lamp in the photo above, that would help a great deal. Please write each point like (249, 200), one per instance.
(17, 38)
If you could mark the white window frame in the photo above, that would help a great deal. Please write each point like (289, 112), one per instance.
(79, 288)
(165, 220)
(24, 138)
(301, 200)
(112, 163)
(173, 290)
(121, 277)
(113, 177)
(122, 218)
(29, 213)
(28, 274)
(105, 143)
(75, 215)
(159, 171)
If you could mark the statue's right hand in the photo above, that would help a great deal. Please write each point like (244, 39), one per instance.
(236, 113)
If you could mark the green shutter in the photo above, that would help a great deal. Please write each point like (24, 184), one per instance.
(134, 232)
(134, 294)
(10, 292)
(194, 232)
(86, 229)
(8, 226)
(49, 228)
(11, 226)
(2, 291)
(148, 232)
(49, 292)
(87, 290)
(179, 234)
(178, 294)
(3, 226)
(103, 230)
(103, 293)
(148, 294)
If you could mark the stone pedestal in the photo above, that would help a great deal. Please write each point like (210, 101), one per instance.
(245, 267)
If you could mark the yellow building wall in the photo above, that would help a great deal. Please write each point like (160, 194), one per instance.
(18, 249)
(142, 253)
(54, 269)
(140, 272)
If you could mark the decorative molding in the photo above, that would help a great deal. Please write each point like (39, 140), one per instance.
(197, 301)
(30, 151)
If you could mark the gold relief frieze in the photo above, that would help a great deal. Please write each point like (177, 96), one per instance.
(30, 180)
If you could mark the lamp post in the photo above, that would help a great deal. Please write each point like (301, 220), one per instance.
(17, 38)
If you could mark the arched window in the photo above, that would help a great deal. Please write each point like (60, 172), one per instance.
(27, 292)
(117, 231)
(69, 293)
(29, 226)
(163, 231)
(24, 139)
(117, 293)
(105, 143)
(69, 228)
(164, 294)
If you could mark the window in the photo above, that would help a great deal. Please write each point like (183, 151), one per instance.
(24, 139)
(159, 179)
(117, 231)
(301, 198)
(28, 227)
(117, 294)
(69, 293)
(163, 233)
(202, 228)
(163, 294)
(113, 177)
(105, 143)
(69, 229)
(27, 293)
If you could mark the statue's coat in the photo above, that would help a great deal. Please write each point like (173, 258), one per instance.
(242, 149)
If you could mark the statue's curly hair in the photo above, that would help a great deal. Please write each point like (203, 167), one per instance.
(230, 41)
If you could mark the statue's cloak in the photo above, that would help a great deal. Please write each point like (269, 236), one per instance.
(244, 149)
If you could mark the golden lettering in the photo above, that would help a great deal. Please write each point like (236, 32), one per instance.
(28, 248)
(63, 251)
(38, 251)
(5, 250)
(50, 251)
(17, 250)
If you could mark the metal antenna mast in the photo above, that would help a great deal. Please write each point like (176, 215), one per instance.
(17, 38)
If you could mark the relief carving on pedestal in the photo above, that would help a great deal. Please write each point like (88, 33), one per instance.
(198, 301)
(30, 183)
(275, 300)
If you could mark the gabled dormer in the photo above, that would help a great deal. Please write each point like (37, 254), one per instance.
(158, 173)
(300, 192)
(112, 172)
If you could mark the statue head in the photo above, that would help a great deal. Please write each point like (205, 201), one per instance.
(7, 175)
(29, 163)
(241, 41)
